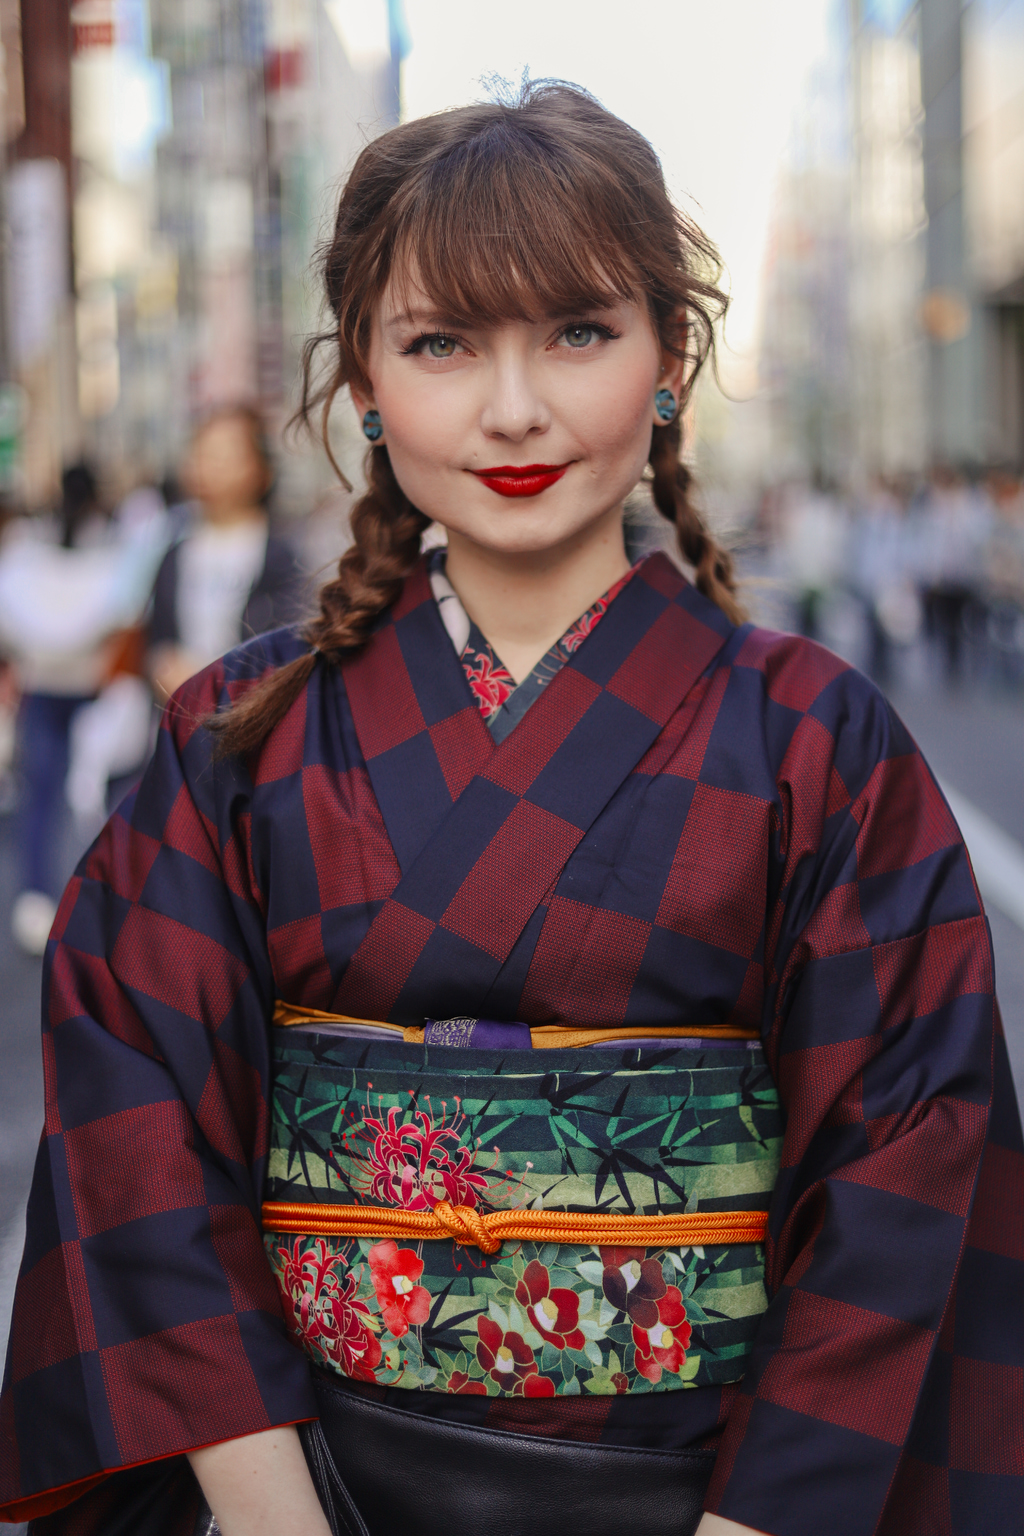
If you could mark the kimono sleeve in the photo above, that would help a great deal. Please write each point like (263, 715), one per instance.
(882, 1032)
(146, 1321)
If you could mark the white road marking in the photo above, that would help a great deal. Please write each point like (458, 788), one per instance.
(997, 857)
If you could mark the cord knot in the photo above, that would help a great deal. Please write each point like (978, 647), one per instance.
(465, 1225)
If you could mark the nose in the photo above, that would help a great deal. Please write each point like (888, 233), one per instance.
(513, 409)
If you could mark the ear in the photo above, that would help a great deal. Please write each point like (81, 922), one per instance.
(673, 368)
(361, 401)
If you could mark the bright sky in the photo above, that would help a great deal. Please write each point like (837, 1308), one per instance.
(712, 83)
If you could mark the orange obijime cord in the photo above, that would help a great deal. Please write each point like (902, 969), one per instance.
(488, 1230)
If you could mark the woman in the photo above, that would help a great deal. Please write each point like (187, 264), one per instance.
(228, 576)
(593, 924)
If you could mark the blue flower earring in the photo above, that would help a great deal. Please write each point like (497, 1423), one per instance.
(373, 427)
(665, 405)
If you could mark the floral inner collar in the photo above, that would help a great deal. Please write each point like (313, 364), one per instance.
(502, 701)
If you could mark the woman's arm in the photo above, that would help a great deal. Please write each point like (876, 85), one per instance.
(260, 1485)
(882, 1036)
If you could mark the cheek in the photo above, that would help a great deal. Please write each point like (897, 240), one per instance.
(611, 410)
(422, 427)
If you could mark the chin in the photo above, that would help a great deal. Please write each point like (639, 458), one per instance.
(513, 541)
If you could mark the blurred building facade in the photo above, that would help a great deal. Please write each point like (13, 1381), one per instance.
(169, 164)
(994, 190)
(894, 292)
(170, 167)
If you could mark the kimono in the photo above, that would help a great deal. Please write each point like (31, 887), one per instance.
(693, 824)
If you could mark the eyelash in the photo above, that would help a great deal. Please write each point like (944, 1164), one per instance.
(415, 347)
(591, 325)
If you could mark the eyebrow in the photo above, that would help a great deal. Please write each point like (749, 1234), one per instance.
(418, 317)
(441, 322)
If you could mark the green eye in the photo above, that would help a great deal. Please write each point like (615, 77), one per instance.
(579, 335)
(442, 346)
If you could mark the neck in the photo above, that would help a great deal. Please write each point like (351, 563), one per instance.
(225, 514)
(523, 603)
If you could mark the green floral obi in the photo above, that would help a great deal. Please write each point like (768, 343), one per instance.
(628, 1130)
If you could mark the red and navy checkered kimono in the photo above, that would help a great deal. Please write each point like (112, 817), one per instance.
(693, 823)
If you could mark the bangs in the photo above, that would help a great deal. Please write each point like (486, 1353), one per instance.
(506, 227)
(547, 207)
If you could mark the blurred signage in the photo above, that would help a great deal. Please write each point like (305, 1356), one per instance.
(37, 228)
(93, 25)
(289, 29)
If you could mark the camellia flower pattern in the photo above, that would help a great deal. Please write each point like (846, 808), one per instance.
(508, 1361)
(663, 1347)
(460, 1381)
(633, 1284)
(554, 1313)
(394, 1272)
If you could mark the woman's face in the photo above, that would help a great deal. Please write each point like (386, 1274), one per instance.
(225, 469)
(519, 437)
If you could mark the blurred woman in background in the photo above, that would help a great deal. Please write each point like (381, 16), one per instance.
(228, 576)
(72, 586)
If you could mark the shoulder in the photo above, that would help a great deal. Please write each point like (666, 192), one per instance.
(794, 671)
(282, 565)
(228, 679)
(248, 662)
(802, 676)
(819, 712)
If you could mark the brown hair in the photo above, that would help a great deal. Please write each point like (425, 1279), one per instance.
(543, 204)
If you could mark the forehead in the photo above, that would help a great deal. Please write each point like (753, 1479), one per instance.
(489, 299)
(225, 433)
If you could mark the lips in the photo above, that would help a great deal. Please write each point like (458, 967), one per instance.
(521, 479)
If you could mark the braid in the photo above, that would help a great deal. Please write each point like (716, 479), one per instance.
(386, 530)
(712, 565)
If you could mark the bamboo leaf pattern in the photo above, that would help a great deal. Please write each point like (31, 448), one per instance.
(632, 1131)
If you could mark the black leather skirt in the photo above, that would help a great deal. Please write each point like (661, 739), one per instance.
(379, 1470)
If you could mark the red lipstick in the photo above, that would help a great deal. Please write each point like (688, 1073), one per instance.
(521, 479)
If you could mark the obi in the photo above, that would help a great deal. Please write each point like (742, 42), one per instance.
(520, 1221)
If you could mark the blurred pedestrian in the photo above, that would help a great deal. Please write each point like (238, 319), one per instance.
(953, 523)
(71, 585)
(1005, 575)
(228, 576)
(813, 531)
(881, 574)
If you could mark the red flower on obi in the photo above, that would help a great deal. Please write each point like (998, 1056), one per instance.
(633, 1284)
(489, 682)
(458, 1381)
(663, 1347)
(416, 1163)
(508, 1360)
(325, 1312)
(394, 1272)
(554, 1313)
